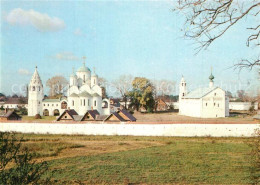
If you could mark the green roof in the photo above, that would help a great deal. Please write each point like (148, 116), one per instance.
(83, 69)
(51, 100)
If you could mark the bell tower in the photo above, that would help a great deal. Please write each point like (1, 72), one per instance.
(182, 89)
(35, 95)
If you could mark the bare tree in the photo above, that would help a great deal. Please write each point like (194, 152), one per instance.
(208, 20)
(57, 85)
(102, 82)
(123, 85)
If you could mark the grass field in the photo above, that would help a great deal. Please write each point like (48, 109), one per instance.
(143, 160)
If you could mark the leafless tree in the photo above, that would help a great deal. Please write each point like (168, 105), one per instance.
(208, 20)
(123, 85)
(57, 85)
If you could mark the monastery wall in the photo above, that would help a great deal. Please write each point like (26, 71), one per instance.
(242, 105)
(186, 130)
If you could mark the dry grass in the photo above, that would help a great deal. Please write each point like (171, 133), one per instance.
(175, 117)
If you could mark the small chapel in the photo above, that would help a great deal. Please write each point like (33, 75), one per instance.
(205, 102)
(84, 93)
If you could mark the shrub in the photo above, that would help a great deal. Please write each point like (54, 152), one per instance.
(16, 165)
(37, 116)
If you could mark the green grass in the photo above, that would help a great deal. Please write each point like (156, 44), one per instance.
(175, 161)
(180, 162)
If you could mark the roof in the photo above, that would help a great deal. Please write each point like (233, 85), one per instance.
(36, 80)
(71, 112)
(73, 95)
(51, 100)
(127, 114)
(200, 92)
(101, 117)
(84, 69)
(93, 113)
(16, 101)
(84, 94)
(116, 115)
(95, 94)
(257, 116)
(8, 114)
(77, 117)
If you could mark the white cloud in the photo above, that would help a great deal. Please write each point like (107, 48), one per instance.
(78, 32)
(24, 72)
(42, 22)
(65, 56)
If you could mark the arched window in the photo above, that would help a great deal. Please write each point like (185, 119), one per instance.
(33, 88)
(95, 103)
(206, 104)
(72, 102)
(182, 94)
(84, 102)
(181, 84)
(39, 88)
(88, 102)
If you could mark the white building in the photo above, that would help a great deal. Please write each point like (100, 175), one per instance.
(35, 95)
(207, 102)
(84, 94)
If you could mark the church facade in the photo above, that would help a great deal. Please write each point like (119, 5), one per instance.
(206, 102)
(84, 93)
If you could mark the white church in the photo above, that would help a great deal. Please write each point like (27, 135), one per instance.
(206, 102)
(84, 93)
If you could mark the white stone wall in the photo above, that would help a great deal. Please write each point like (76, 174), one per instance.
(184, 130)
(242, 105)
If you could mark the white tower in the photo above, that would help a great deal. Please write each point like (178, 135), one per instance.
(35, 95)
(94, 78)
(73, 79)
(182, 89)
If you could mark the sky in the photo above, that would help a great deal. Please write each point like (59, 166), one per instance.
(141, 38)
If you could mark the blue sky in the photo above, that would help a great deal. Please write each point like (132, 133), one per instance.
(141, 38)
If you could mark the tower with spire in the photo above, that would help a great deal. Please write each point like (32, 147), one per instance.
(182, 89)
(35, 95)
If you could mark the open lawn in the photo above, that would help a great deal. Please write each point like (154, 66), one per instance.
(145, 160)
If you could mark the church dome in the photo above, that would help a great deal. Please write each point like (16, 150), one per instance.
(83, 69)
(211, 77)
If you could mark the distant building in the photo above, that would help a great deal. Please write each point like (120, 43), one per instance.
(15, 103)
(9, 115)
(84, 93)
(207, 102)
(161, 105)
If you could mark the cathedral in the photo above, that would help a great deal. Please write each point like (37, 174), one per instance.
(205, 102)
(84, 93)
